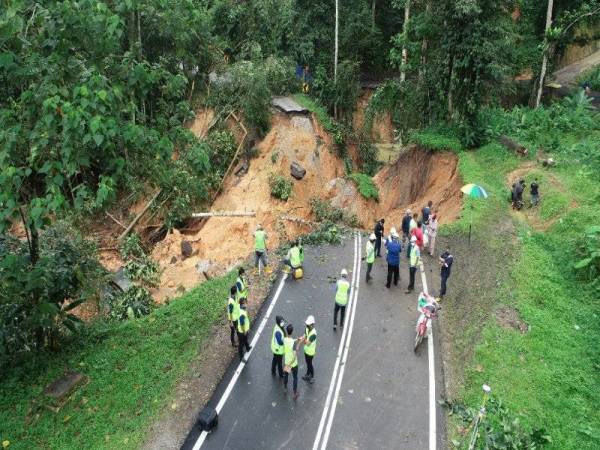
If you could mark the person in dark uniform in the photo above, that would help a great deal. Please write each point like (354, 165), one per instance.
(534, 192)
(378, 236)
(446, 260)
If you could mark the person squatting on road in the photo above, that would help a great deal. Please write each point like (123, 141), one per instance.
(243, 327)
(291, 360)
(370, 251)
(310, 348)
(277, 346)
(260, 247)
(415, 257)
(446, 260)
(432, 233)
(378, 231)
(342, 294)
(294, 256)
(233, 312)
(394, 248)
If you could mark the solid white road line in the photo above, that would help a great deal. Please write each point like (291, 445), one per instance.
(340, 349)
(430, 356)
(242, 364)
(346, 349)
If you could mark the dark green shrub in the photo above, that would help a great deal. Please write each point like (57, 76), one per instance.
(281, 187)
(365, 185)
(133, 303)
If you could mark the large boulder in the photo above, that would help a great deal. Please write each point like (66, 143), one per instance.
(186, 249)
(297, 171)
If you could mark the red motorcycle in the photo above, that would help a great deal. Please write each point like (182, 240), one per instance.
(428, 313)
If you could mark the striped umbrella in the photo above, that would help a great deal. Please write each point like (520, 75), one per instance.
(474, 190)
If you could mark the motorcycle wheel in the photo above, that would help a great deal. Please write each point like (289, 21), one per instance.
(418, 340)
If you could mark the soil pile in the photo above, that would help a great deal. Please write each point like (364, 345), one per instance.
(220, 243)
(415, 178)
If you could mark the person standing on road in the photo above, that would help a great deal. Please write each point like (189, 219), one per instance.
(241, 285)
(393, 258)
(370, 251)
(535, 193)
(415, 258)
(233, 313)
(446, 260)
(243, 327)
(406, 225)
(310, 348)
(432, 232)
(379, 230)
(342, 294)
(291, 360)
(413, 223)
(426, 212)
(277, 346)
(418, 233)
(260, 247)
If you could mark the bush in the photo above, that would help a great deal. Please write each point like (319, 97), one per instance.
(133, 303)
(37, 299)
(589, 252)
(325, 212)
(139, 267)
(327, 234)
(281, 187)
(436, 140)
(365, 185)
(591, 76)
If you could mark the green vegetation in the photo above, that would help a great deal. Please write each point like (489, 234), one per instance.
(281, 187)
(548, 374)
(365, 185)
(591, 76)
(325, 212)
(132, 368)
(436, 140)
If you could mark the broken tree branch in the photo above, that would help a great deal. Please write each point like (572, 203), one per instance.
(225, 214)
(117, 221)
(139, 216)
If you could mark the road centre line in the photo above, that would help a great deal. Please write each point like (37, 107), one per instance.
(340, 350)
(346, 349)
(242, 364)
(431, 361)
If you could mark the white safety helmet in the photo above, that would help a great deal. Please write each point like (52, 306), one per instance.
(344, 273)
(413, 239)
(310, 320)
(393, 231)
(259, 227)
(372, 237)
(395, 234)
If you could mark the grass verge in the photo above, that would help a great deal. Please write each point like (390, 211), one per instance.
(547, 377)
(132, 368)
(365, 185)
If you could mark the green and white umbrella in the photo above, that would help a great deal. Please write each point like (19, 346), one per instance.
(473, 191)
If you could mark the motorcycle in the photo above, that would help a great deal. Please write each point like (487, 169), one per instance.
(428, 308)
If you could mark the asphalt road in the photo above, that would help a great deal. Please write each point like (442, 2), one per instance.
(370, 390)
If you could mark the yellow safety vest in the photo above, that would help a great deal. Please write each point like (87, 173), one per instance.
(295, 258)
(275, 347)
(260, 241)
(243, 293)
(233, 316)
(310, 347)
(290, 354)
(341, 295)
(246, 326)
(370, 252)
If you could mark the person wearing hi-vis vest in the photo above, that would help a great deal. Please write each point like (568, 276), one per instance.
(243, 327)
(260, 247)
(242, 285)
(342, 294)
(370, 251)
(310, 348)
(277, 346)
(233, 312)
(290, 357)
(294, 256)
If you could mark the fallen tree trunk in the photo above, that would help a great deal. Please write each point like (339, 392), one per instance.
(139, 216)
(512, 145)
(225, 214)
